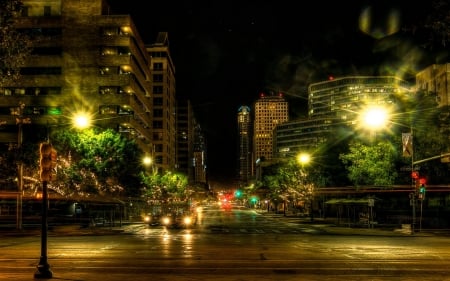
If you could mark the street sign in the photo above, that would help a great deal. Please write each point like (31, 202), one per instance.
(407, 142)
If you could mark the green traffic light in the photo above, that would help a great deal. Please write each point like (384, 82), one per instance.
(422, 189)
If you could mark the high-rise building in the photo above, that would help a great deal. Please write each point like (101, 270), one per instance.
(185, 138)
(164, 103)
(269, 111)
(84, 58)
(245, 138)
(436, 79)
(199, 162)
(333, 104)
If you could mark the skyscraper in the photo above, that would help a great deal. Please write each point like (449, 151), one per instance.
(270, 110)
(245, 159)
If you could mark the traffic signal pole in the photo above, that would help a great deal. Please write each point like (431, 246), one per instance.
(43, 268)
(47, 163)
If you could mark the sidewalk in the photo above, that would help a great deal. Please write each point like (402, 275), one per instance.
(328, 226)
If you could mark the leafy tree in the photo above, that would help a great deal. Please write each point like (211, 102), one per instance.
(94, 162)
(15, 47)
(165, 187)
(371, 164)
(288, 181)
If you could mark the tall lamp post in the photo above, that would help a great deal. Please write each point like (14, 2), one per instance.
(303, 159)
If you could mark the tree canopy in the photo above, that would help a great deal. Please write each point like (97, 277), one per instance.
(15, 47)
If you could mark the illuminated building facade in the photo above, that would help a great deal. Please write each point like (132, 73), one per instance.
(436, 79)
(244, 123)
(85, 59)
(269, 111)
(333, 104)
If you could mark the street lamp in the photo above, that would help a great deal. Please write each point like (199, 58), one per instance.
(81, 120)
(304, 159)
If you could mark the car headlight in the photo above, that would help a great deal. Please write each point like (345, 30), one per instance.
(166, 220)
(147, 219)
(187, 220)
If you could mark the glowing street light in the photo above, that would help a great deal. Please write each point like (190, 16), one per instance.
(81, 120)
(375, 117)
(147, 161)
(303, 158)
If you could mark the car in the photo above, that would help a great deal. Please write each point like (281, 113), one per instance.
(179, 220)
(153, 219)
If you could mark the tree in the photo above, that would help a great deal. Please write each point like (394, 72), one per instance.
(15, 47)
(95, 162)
(287, 181)
(165, 187)
(371, 164)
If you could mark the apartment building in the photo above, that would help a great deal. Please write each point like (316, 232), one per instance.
(436, 79)
(164, 103)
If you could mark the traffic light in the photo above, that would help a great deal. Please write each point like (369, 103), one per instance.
(47, 161)
(422, 188)
(238, 193)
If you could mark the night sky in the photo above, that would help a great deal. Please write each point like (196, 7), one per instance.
(227, 52)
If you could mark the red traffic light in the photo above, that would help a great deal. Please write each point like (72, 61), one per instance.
(415, 174)
(423, 181)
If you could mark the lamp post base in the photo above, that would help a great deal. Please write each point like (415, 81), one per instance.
(43, 270)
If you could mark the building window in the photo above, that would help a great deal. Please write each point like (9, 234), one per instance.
(157, 124)
(158, 66)
(40, 70)
(47, 11)
(157, 113)
(158, 101)
(157, 136)
(158, 77)
(109, 31)
(24, 12)
(109, 90)
(157, 89)
(159, 148)
(108, 109)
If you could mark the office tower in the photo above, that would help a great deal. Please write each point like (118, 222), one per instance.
(199, 162)
(245, 139)
(269, 111)
(333, 104)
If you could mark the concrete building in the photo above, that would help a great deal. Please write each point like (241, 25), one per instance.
(83, 59)
(333, 104)
(436, 79)
(164, 103)
(185, 138)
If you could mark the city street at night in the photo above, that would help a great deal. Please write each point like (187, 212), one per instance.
(232, 244)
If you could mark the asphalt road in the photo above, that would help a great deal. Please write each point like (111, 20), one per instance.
(230, 245)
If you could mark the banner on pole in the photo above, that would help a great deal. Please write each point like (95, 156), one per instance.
(407, 144)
